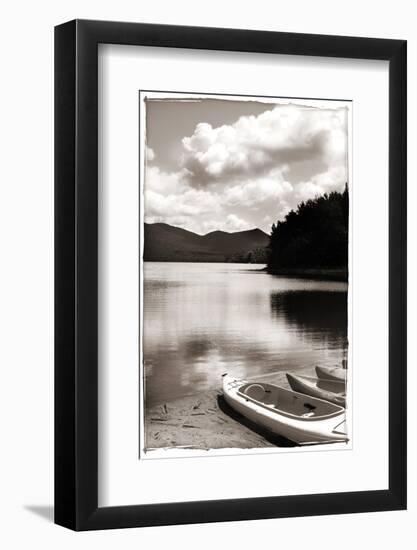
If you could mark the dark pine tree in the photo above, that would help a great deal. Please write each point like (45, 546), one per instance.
(313, 236)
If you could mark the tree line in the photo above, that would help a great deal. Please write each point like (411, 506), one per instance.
(255, 256)
(315, 235)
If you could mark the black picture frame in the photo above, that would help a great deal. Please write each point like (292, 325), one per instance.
(76, 272)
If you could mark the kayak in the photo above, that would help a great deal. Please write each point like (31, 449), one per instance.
(305, 420)
(331, 373)
(330, 390)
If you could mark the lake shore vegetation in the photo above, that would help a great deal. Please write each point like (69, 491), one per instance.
(313, 238)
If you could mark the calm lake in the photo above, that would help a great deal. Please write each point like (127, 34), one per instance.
(202, 320)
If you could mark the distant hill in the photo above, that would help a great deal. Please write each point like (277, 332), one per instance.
(165, 243)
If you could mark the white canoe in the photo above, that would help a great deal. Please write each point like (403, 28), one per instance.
(301, 419)
(331, 373)
(330, 390)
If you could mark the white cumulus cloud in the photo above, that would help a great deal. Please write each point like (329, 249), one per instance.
(150, 154)
(252, 146)
(252, 172)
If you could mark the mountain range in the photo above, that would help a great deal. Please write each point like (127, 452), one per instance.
(166, 243)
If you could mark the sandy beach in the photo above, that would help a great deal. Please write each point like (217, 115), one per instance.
(205, 421)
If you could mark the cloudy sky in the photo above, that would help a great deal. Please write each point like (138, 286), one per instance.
(234, 165)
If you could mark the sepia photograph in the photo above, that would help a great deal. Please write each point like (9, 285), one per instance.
(244, 274)
(230, 278)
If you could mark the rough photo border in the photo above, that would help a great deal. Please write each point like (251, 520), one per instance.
(178, 452)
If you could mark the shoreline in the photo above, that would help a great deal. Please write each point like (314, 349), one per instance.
(204, 421)
(312, 273)
(336, 274)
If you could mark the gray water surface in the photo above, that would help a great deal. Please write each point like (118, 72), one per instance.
(202, 320)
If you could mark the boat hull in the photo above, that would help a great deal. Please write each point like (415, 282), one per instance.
(301, 431)
(331, 390)
(331, 373)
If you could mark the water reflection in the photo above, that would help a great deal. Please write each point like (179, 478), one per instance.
(314, 314)
(201, 320)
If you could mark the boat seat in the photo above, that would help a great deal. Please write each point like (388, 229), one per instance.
(256, 391)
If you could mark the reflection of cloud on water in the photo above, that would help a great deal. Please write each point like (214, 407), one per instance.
(201, 320)
(198, 363)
